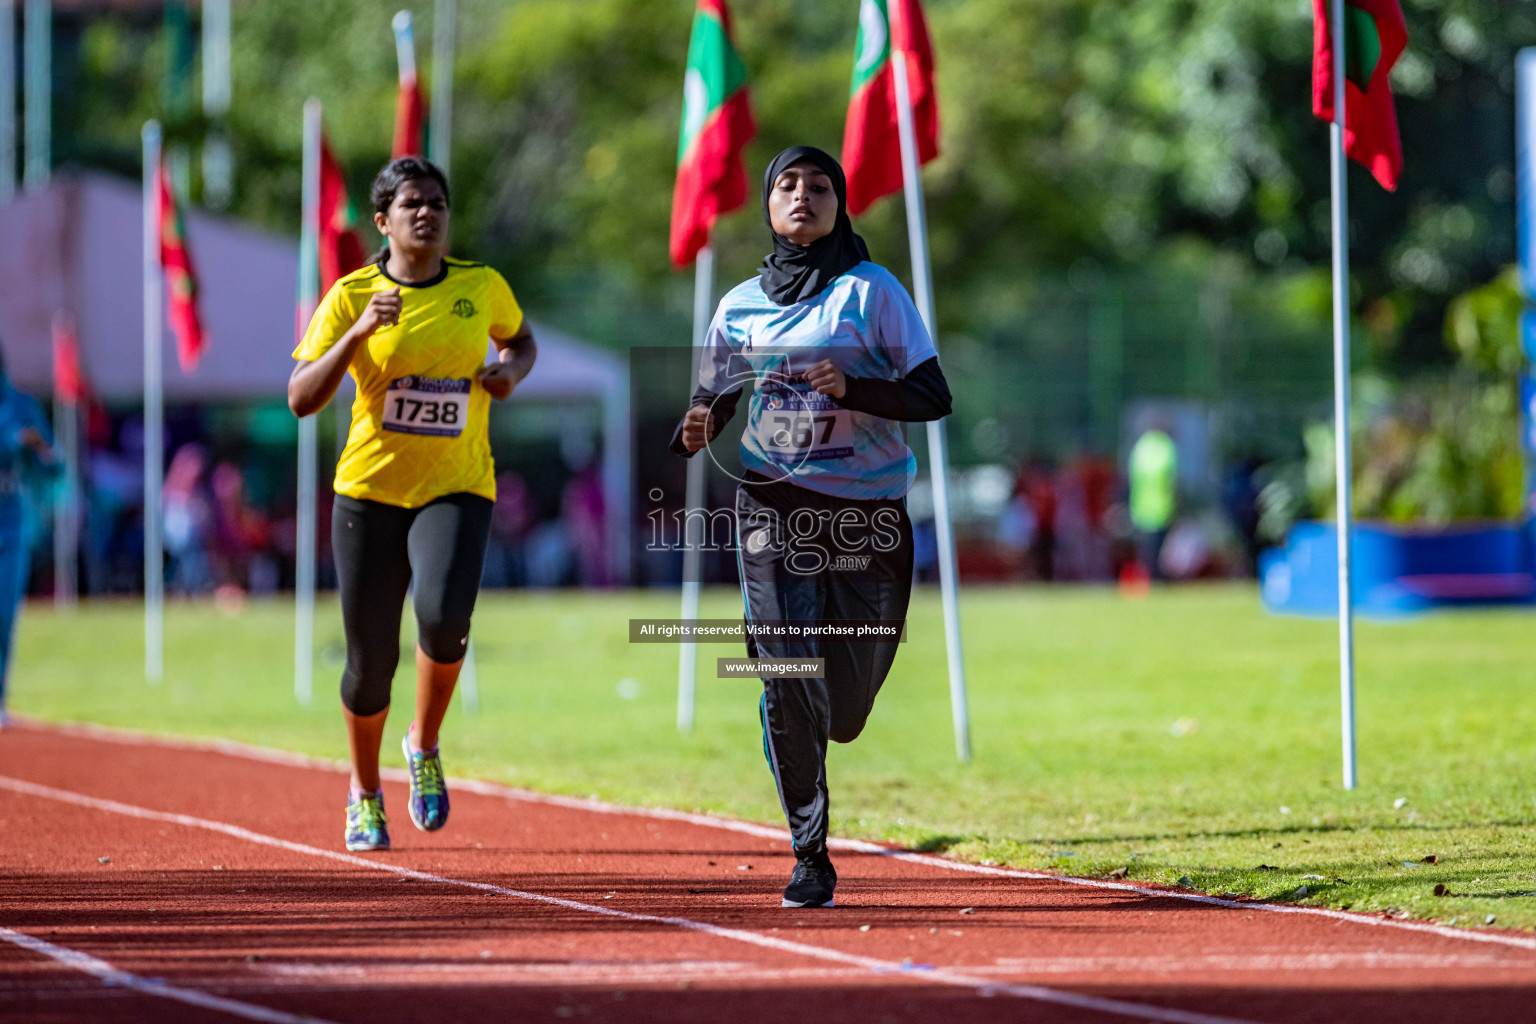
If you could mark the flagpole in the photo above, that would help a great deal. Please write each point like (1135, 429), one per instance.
(7, 100)
(405, 45)
(218, 158)
(405, 58)
(693, 499)
(440, 127)
(154, 415)
(64, 419)
(66, 532)
(440, 144)
(37, 100)
(1343, 473)
(938, 457)
(304, 547)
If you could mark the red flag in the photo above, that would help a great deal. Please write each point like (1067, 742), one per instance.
(717, 125)
(1374, 37)
(410, 113)
(410, 105)
(341, 250)
(180, 276)
(68, 380)
(889, 30)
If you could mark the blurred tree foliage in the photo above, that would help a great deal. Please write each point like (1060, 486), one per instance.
(1075, 134)
(1433, 450)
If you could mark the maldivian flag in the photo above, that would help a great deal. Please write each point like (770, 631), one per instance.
(68, 379)
(341, 250)
(888, 30)
(410, 105)
(717, 123)
(180, 277)
(409, 115)
(1374, 37)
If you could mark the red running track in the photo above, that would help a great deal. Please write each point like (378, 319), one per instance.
(143, 880)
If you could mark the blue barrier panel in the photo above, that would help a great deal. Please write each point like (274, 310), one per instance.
(1400, 570)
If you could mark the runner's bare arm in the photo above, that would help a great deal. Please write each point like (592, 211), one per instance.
(314, 381)
(515, 356)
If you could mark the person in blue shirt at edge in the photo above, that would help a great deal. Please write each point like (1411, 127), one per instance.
(839, 359)
(27, 458)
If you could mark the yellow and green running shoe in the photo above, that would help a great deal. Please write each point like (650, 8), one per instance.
(366, 821)
(429, 793)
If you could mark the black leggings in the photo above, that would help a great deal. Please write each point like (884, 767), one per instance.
(378, 547)
(872, 582)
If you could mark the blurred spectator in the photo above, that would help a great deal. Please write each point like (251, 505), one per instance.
(1082, 538)
(1187, 553)
(1154, 473)
(28, 466)
(549, 555)
(188, 520)
(1037, 485)
(511, 520)
(1016, 529)
(113, 538)
(240, 534)
(581, 511)
(1240, 501)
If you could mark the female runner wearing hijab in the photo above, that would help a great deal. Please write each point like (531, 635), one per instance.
(839, 358)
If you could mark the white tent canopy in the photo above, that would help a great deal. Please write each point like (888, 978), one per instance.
(75, 247)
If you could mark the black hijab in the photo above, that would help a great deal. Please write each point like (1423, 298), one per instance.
(793, 273)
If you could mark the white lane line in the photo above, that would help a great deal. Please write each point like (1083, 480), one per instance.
(492, 789)
(981, 985)
(114, 977)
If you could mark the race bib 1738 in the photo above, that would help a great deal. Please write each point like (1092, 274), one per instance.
(427, 405)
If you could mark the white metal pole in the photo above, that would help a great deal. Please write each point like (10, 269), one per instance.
(38, 74)
(154, 415)
(1343, 473)
(440, 127)
(304, 547)
(217, 157)
(693, 498)
(304, 568)
(938, 457)
(440, 132)
(66, 424)
(7, 100)
(405, 46)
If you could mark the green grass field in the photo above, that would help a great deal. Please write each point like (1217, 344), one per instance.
(1184, 736)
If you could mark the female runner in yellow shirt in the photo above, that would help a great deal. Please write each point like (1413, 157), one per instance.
(415, 484)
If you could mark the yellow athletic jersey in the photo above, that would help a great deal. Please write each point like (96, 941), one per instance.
(419, 423)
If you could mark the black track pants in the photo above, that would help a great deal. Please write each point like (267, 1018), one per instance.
(378, 548)
(810, 565)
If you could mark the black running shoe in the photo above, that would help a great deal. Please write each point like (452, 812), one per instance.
(812, 883)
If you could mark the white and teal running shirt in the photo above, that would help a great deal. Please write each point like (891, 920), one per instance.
(866, 324)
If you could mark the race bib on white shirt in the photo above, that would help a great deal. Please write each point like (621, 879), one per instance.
(427, 405)
(795, 426)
